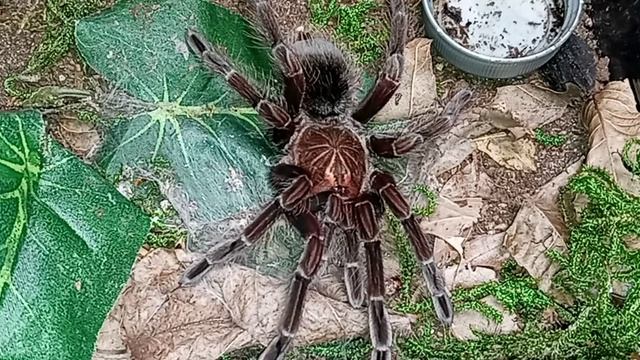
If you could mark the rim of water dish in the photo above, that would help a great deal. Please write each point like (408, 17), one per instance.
(566, 31)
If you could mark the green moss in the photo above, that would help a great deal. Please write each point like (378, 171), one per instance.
(631, 156)
(549, 140)
(355, 25)
(596, 327)
(431, 199)
(351, 349)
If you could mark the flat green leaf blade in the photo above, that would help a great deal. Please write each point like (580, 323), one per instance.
(68, 242)
(194, 127)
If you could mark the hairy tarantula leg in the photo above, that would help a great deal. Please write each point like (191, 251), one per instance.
(275, 115)
(389, 79)
(290, 66)
(394, 146)
(423, 130)
(292, 196)
(352, 274)
(367, 213)
(308, 266)
(258, 227)
(422, 244)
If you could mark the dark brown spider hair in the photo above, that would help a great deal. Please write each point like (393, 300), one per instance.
(326, 181)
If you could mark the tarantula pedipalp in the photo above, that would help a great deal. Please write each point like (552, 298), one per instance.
(326, 182)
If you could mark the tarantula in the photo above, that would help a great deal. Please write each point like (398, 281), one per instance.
(326, 182)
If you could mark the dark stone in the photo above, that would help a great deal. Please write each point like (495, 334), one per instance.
(575, 63)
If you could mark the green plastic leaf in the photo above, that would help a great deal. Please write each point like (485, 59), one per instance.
(207, 146)
(67, 243)
(212, 141)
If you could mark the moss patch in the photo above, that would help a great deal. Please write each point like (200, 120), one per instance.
(549, 140)
(354, 25)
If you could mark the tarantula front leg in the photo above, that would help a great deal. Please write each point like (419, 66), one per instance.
(423, 245)
(308, 266)
(290, 66)
(290, 198)
(275, 115)
(389, 79)
(367, 212)
(420, 130)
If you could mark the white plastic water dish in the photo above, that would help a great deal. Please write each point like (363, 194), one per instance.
(502, 28)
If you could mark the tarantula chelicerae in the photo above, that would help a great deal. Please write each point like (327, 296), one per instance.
(326, 181)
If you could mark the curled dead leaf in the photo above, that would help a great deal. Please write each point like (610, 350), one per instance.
(231, 308)
(612, 119)
(522, 108)
(417, 91)
(468, 182)
(452, 220)
(538, 228)
(467, 276)
(513, 154)
(486, 251)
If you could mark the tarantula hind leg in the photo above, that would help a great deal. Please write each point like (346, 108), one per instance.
(213, 58)
(368, 211)
(308, 266)
(423, 245)
(290, 198)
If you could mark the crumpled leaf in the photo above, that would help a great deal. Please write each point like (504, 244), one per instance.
(464, 275)
(513, 154)
(447, 151)
(466, 321)
(523, 108)
(67, 243)
(233, 307)
(612, 119)
(486, 251)
(452, 220)
(417, 91)
(468, 182)
(539, 227)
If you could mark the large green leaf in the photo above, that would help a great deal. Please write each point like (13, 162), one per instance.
(67, 242)
(212, 141)
(205, 144)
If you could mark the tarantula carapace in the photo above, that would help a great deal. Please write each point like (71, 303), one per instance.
(326, 181)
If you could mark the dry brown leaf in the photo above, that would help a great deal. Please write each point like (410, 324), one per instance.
(466, 321)
(513, 154)
(611, 120)
(537, 228)
(466, 276)
(231, 308)
(452, 220)
(81, 137)
(453, 217)
(468, 182)
(417, 91)
(486, 251)
(522, 108)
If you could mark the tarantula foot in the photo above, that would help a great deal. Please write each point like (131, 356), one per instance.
(196, 42)
(195, 272)
(444, 308)
(277, 349)
(381, 355)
